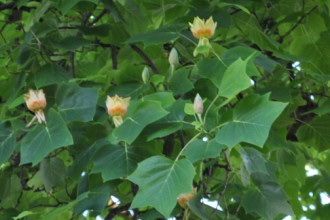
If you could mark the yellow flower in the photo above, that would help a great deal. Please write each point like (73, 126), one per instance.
(201, 29)
(184, 198)
(117, 107)
(36, 102)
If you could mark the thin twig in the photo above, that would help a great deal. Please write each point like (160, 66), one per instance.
(104, 11)
(298, 23)
(114, 54)
(228, 170)
(72, 55)
(145, 57)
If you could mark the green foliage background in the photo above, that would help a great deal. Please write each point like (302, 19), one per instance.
(266, 109)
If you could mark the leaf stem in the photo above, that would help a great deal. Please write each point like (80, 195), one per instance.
(191, 140)
(219, 58)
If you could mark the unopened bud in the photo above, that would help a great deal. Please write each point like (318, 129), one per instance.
(145, 75)
(198, 105)
(204, 47)
(173, 58)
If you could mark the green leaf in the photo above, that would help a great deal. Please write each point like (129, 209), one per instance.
(200, 150)
(9, 191)
(253, 160)
(65, 6)
(180, 82)
(316, 133)
(64, 211)
(52, 172)
(166, 98)
(144, 113)
(249, 25)
(159, 36)
(169, 124)
(83, 159)
(245, 53)
(251, 121)
(230, 81)
(205, 212)
(43, 139)
(189, 109)
(71, 43)
(161, 181)
(122, 160)
(97, 197)
(76, 103)
(23, 214)
(268, 201)
(234, 79)
(7, 142)
(50, 74)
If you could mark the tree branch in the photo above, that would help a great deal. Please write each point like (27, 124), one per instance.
(298, 23)
(72, 55)
(146, 58)
(104, 11)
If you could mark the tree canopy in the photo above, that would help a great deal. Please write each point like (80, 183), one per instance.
(144, 109)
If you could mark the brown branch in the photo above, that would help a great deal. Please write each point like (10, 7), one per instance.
(104, 11)
(11, 5)
(114, 54)
(228, 170)
(145, 57)
(72, 55)
(298, 23)
(181, 138)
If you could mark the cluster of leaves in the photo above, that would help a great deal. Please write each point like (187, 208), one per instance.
(266, 109)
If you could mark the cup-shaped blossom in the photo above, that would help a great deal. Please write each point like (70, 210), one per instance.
(184, 198)
(198, 105)
(36, 102)
(117, 108)
(203, 29)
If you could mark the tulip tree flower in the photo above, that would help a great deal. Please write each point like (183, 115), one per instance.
(117, 108)
(184, 198)
(203, 30)
(36, 102)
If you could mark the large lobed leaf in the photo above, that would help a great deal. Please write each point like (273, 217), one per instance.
(230, 80)
(160, 181)
(76, 103)
(142, 114)
(7, 142)
(43, 139)
(251, 121)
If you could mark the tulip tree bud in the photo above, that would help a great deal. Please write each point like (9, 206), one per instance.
(198, 105)
(145, 75)
(173, 58)
(204, 47)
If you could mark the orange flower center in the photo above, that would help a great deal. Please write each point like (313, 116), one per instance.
(117, 110)
(207, 33)
(183, 199)
(37, 105)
